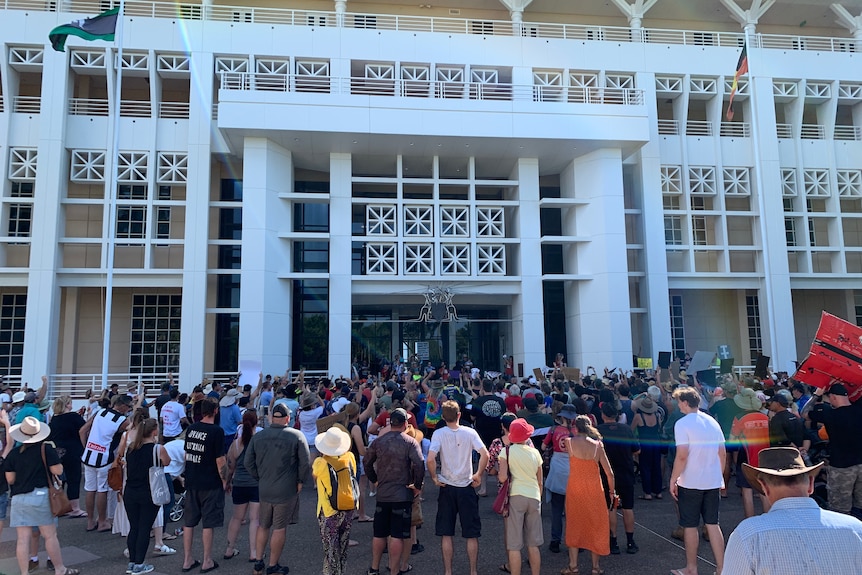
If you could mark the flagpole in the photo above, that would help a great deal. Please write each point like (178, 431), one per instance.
(111, 198)
(761, 205)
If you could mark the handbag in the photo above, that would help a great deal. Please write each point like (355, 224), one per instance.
(115, 476)
(158, 482)
(501, 502)
(56, 494)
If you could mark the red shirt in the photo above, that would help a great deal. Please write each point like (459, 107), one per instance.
(559, 437)
(752, 429)
(382, 418)
(514, 403)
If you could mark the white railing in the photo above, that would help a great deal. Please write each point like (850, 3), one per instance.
(698, 128)
(135, 109)
(174, 110)
(784, 131)
(668, 127)
(26, 104)
(735, 129)
(427, 89)
(76, 385)
(249, 14)
(848, 133)
(812, 132)
(87, 107)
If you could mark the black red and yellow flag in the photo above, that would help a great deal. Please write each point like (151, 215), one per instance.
(741, 69)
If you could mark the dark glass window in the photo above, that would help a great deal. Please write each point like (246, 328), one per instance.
(311, 217)
(554, 300)
(226, 342)
(551, 221)
(311, 256)
(231, 191)
(13, 315)
(229, 257)
(227, 291)
(552, 259)
(230, 224)
(310, 324)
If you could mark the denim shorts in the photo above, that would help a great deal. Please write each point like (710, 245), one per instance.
(4, 503)
(31, 509)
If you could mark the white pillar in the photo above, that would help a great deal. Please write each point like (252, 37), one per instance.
(528, 325)
(599, 321)
(340, 264)
(265, 300)
(340, 10)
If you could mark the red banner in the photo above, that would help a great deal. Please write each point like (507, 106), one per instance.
(836, 355)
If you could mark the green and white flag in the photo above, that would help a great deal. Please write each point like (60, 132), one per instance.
(101, 27)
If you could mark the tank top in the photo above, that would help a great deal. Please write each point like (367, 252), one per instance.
(241, 476)
(97, 451)
(353, 447)
(649, 431)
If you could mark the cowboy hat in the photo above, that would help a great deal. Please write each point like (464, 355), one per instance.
(747, 399)
(647, 405)
(777, 462)
(229, 399)
(208, 389)
(31, 430)
(18, 396)
(333, 442)
(307, 400)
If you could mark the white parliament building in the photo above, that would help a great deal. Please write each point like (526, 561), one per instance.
(300, 183)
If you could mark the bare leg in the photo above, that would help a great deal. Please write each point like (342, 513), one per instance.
(748, 502)
(253, 522)
(573, 558)
(233, 528)
(207, 537)
(395, 548)
(377, 546)
(406, 548)
(691, 539)
(363, 488)
(514, 558)
(448, 551)
(535, 560)
(76, 505)
(595, 559)
(102, 510)
(52, 546)
(276, 544)
(629, 520)
(716, 541)
(612, 522)
(90, 504)
(473, 555)
(22, 549)
(188, 538)
(260, 542)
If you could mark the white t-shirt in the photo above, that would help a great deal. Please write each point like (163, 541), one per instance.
(177, 451)
(172, 413)
(454, 449)
(5, 398)
(703, 436)
(308, 423)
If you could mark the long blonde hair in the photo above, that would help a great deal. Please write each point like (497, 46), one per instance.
(60, 404)
(585, 427)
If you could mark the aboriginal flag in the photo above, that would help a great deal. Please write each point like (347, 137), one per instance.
(741, 69)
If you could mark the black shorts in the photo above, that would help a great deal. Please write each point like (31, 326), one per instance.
(455, 502)
(206, 504)
(393, 519)
(697, 503)
(741, 479)
(240, 495)
(625, 486)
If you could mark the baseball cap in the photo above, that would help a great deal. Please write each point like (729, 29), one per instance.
(837, 389)
(398, 417)
(398, 395)
(780, 399)
(280, 410)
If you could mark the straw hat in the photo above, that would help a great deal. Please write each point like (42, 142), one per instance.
(307, 400)
(747, 399)
(520, 431)
(18, 396)
(229, 399)
(333, 442)
(778, 462)
(31, 430)
(647, 405)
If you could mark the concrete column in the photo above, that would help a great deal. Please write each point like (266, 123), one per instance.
(193, 339)
(265, 300)
(340, 10)
(599, 321)
(528, 326)
(340, 264)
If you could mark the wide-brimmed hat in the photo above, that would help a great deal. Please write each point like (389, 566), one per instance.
(333, 441)
(520, 431)
(31, 430)
(647, 405)
(208, 389)
(730, 388)
(778, 462)
(229, 399)
(747, 399)
(307, 400)
(18, 396)
(568, 411)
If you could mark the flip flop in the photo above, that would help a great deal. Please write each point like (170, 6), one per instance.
(108, 530)
(79, 513)
(369, 520)
(215, 566)
(232, 555)
(93, 528)
(192, 566)
(644, 498)
(504, 568)
(168, 536)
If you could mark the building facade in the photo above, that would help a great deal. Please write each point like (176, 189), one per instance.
(300, 184)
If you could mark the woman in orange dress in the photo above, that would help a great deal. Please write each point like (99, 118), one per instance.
(587, 524)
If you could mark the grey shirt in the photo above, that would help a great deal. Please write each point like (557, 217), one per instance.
(394, 461)
(277, 458)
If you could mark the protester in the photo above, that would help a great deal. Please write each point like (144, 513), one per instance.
(243, 489)
(558, 471)
(27, 477)
(521, 463)
(278, 458)
(457, 482)
(230, 417)
(795, 533)
(173, 416)
(65, 428)
(310, 410)
(493, 467)
(647, 423)
(358, 445)
(751, 430)
(334, 447)
(621, 447)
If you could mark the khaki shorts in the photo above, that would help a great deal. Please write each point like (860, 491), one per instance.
(524, 523)
(279, 515)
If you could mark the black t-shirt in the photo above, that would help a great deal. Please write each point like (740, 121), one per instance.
(786, 430)
(28, 467)
(486, 411)
(620, 444)
(138, 463)
(204, 445)
(844, 426)
(161, 400)
(64, 433)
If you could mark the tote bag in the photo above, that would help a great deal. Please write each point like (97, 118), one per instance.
(501, 502)
(158, 482)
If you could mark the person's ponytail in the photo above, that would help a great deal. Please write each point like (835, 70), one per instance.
(585, 427)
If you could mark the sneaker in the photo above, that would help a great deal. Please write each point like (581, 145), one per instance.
(126, 553)
(131, 567)
(142, 568)
(417, 548)
(615, 548)
(164, 550)
(632, 548)
(554, 547)
(49, 565)
(373, 571)
(272, 569)
(259, 568)
(677, 533)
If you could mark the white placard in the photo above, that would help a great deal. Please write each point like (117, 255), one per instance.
(249, 372)
(423, 350)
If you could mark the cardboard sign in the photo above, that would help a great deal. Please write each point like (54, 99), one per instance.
(644, 363)
(674, 369)
(835, 355)
(664, 359)
(701, 361)
(537, 373)
(762, 367)
(726, 365)
(324, 423)
(572, 373)
(706, 377)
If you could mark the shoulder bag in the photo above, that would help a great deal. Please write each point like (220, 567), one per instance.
(501, 502)
(158, 482)
(56, 494)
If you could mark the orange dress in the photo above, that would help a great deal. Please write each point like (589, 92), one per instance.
(586, 513)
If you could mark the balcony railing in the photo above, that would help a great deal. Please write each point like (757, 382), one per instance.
(174, 110)
(428, 89)
(668, 127)
(698, 128)
(735, 129)
(248, 14)
(848, 133)
(135, 109)
(812, 132)
(86, 107)
(26, 104)
(784, 131)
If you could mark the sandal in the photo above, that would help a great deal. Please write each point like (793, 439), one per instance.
(597, 571)
(229, 556)
(78, 513)
(168, 536)
(70, 571)
(504, 568)
(645, 497)
(569, 571)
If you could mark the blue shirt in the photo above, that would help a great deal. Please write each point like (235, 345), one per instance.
(230, 418)
(795, 536)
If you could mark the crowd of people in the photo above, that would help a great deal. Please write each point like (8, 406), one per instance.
(579, 445)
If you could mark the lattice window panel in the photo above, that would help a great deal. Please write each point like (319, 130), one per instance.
(454, 222)
(26, 55)
(850, 183)
(22, 164)
(272, 66)
(668, 84)
(380, 71)
(380, 221)
(619, 81)
(850, 91)
(380, 258)
(225, 64)
(701, 180)
(789, 188)
(132, 166)
(87, 59)
(173, 63)
(173, 168)
(671, 180)
(418, 259)
(490, 223)
(415, 73)
(449, 74)
(816, 183)
(484, 76)
(737, 181)
(418, 221)
(312, 68)
(455, 258)
(786, 89)
(547, 85)
(491, 260)
(583, 79)
(88, 165)
(741, 86)
(136, 61)
(818, 90)
(702, 85)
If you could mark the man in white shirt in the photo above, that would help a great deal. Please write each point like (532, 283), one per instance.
(697, 477)
(457, 483)
(173, 417)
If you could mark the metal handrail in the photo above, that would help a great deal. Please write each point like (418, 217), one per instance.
(178, 110)
(812, 132)
(26, 104)
(848, 133)
(668, 127)
(698, 128)
(135, 108)
(784, 131)
(735, 129)
(88, 107)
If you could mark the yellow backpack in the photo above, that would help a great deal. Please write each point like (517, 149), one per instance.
(343, 487)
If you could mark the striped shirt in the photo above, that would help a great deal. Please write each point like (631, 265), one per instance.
(795, 536)
(97, 451)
